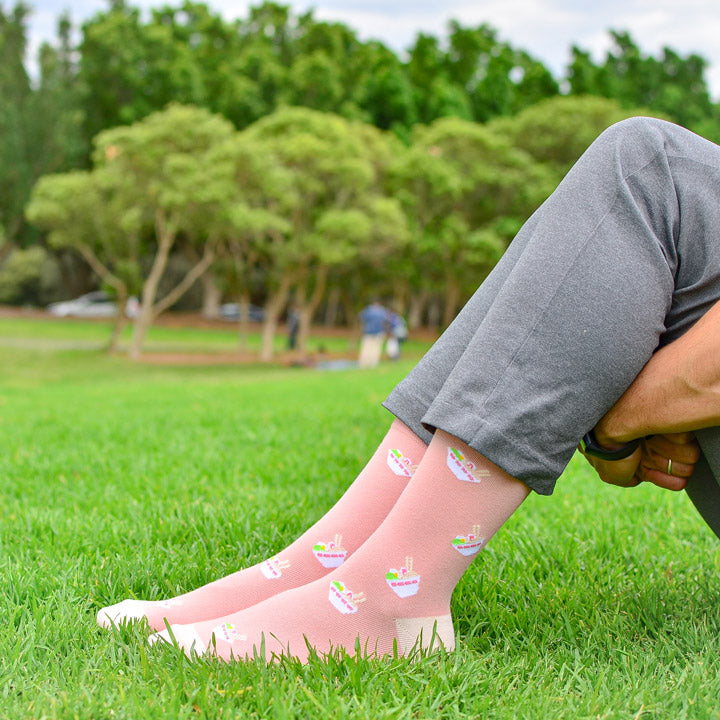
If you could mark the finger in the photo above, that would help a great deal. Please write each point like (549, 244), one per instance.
(681, 438)
(688, 453)
(618, 472)
(667, 466)
(661, 479)
(634, 481)
(683, 452)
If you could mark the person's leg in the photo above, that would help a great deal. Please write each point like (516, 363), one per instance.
(396, 589)
(323, 547)
(579, 306)
(622, 258)
(370, 351)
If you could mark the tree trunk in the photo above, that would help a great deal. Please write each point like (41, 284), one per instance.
(400, 295)
(108, 277)
(5, 249)
(244, 321)
(211, 296)
(120, 319)
(308, 306)
(452, 300)
(416, 308)
(434, 312)
(273, 308)
(147, 310)
(333, 306)
(307, 311)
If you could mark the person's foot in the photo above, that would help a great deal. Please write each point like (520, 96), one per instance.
(317, 552)
(394, 593)
(326, 615)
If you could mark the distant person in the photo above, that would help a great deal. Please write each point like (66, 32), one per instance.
(397, 335)
(375, 321)
(600, 325)
(293, 327)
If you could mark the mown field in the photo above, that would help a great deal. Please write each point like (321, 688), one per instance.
(121, 479)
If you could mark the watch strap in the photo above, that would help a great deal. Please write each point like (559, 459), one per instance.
(590, 446)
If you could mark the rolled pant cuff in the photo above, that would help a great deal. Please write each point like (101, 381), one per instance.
(510, 454)
(409, 409)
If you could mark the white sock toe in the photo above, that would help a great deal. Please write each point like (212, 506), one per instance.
(120, 612)
(185, 636)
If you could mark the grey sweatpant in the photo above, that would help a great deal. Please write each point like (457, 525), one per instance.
(622, 258)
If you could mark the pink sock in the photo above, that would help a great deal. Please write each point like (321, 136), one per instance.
(326, 545)
(396, 589)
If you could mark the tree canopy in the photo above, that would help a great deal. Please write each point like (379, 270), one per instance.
(279, 159)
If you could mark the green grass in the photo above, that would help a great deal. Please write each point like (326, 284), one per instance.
(120, 479)
(48, 333)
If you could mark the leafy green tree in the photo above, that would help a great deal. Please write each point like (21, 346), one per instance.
(385, 93)
(314, 82)
(27, 276)
(466, 191)
(436, 95)
(40, 126)
(670, 84)
(81, 211)
(498, 79)
(130, 69)
(16, 152)
(557, 131)
(254, 222)
(475, 76)
(168, 168)
(58, 105)
(336, 169)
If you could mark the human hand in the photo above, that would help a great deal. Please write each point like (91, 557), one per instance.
(649, 463)
(668, 460)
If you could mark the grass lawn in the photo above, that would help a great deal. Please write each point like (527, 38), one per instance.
(121, 479)
(48, 333)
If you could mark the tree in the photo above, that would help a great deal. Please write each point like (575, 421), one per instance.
(28, 276)
(670, 84)
(57, 105)
(16, 152)
(498, 79)
(130, 69)
(384, 91)
(557, 131)
(81, 211)
(39, 126)
(255, 221)
(335, 168)
(466, 191)
(168, 167)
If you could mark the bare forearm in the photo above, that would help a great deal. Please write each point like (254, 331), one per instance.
(678, 390)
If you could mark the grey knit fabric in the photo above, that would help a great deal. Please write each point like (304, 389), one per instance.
(621, 259)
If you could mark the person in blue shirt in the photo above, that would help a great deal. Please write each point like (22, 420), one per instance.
(375, 321)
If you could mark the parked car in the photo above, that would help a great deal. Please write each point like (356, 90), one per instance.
(92, 304)
(231, 311)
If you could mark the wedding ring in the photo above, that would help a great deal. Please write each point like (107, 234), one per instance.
(669, 470)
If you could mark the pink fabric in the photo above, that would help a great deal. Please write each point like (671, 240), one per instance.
(326, 545)
(407, 569)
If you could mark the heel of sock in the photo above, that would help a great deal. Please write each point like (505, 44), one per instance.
(427, 632)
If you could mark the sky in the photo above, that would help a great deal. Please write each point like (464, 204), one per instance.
(546, 29)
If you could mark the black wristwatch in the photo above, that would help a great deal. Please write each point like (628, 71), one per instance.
(590, 446)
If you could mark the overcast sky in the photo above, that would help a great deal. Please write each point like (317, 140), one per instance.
(545, 28)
